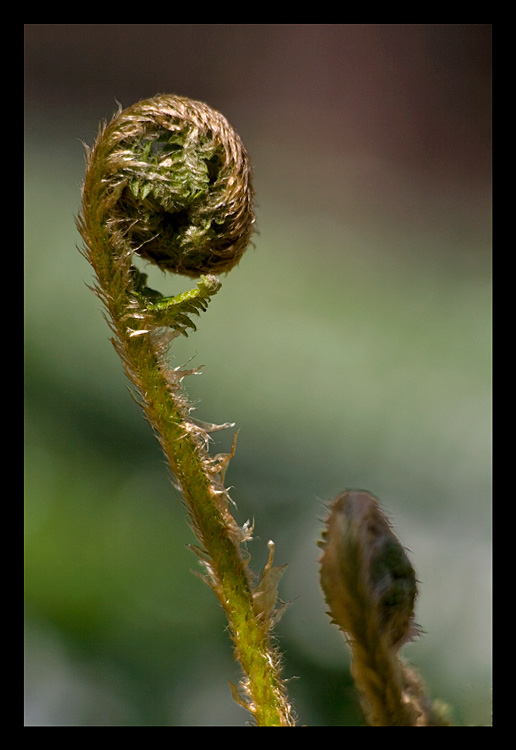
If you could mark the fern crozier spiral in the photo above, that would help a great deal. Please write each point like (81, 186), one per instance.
(177, 186)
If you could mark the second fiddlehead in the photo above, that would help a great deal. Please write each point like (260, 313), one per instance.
(370, 587)
(168, 180)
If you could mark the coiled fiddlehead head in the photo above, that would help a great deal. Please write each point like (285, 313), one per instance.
(169, 180)
(174, 186)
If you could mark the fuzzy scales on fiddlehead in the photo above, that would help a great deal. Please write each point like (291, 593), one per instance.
(168, 181)
(175, 183)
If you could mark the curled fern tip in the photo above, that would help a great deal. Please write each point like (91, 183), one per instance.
(176, 186)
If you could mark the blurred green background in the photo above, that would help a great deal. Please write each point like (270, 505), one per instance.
(351, 347)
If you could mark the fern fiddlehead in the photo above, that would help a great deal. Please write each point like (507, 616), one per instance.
(168, 180)
(370, 587)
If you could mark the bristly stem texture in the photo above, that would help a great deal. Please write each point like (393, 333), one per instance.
(168, 180)
(370, 588)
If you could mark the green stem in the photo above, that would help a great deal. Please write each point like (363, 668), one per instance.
(216, 528)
